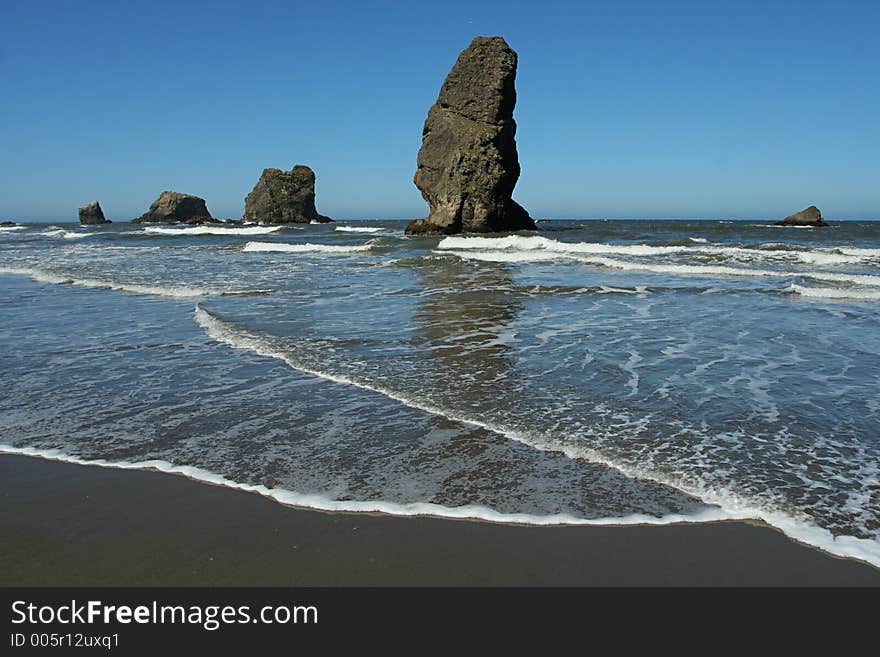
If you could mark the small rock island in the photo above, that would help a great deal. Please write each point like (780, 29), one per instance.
(807, 217)
(284, 197)
(174, 207)
(468, 164)
(91, 214)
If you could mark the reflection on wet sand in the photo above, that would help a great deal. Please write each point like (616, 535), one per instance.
(463, 319)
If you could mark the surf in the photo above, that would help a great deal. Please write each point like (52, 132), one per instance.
(158, 290)
(517, 243)
(212, 230)
(658, 268)
(731, 505)
(280, 247)
(358, 229)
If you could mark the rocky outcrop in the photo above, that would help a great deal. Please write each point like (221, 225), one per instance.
(91, 214)
(174, 207)
(468, 164)
(807, 217)
(282, 197)
(7, 224)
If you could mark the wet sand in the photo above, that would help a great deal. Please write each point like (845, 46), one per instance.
(73, 525)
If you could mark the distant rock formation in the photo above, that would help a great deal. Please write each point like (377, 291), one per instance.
(468, 164)
(282, 197)
(91, 214)
(7, 224)
(807, 217)
(174, 207)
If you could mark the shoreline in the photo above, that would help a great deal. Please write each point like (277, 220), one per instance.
(471, 513)
(70, 524)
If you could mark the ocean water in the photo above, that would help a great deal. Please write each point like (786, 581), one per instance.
(604, 372)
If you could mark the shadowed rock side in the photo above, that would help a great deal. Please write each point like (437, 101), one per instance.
(807, 217)
(282, 197)
(468, 164)
(174, 207)
(91, 214)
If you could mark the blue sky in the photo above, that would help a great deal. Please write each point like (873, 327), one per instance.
(626, 109)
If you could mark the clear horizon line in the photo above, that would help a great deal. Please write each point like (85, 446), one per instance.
(342, 219)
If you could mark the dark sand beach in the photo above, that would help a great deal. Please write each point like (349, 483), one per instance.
(69, 525)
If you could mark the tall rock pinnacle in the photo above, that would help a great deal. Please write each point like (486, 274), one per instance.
(468, 165)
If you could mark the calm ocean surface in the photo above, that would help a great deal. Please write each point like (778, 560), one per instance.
(594, 371)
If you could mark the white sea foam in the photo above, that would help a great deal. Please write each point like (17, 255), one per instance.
(304, 248)
(698, 240)
(213, 230)
(359, 229)
(5, 229)
(813, 257)
(538, 243)
(856, 251)
(159, 290)
(704, 270)
(825, 258)
(531, 244)
(508, 256)
(323, 503)
(858, 279)
(730, 504)
(834, 293)
(67, 234)
(659, 268)
(608, 289)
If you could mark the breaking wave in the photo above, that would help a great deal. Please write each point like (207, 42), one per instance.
(359, 229)
(519, 243)
(324, 503)
(67, 234)
(213, 230)
(730, 505)
(834, 293)
(544, 244)
(159, 290)
(851, 250)
(304, 248)
(699, 270)
(516, 248)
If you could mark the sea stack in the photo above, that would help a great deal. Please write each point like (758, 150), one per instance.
(468, 164)
(284, 197)
(92, 214)
(808, 217)
(174, 207)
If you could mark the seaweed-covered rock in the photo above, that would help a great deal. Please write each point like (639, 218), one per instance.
(91, 214)
(282, 197)
(174, 207)
(468, 164)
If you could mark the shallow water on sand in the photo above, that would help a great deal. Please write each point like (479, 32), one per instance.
(588, 372)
